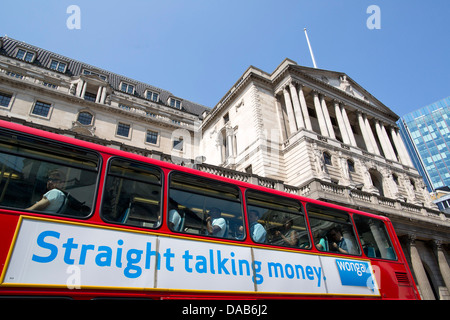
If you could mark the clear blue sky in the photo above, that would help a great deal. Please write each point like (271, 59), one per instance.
(198, 49)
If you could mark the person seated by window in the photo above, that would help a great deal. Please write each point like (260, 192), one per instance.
(175, 218)
(215, 224)
(257, 231)
(338, 242)
(287, 236)
(53, 200)
(321, 241)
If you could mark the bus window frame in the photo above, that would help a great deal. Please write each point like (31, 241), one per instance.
(387, 233)
(350, 222)
(304, 213)
(55, 144)
(104, 192)
(215, 181)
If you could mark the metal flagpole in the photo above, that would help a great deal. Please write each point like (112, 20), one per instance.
(310, 50)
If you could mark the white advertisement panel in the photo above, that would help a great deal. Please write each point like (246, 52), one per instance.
(51, 253)
(350, 276)
(56, 254)
(197, 265)
(289, 272)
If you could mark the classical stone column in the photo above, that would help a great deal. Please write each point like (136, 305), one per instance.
(388, 141)
(290, 112)
(83, 91)
(404, 155)
(348, 126)
(230, 137)
(371, 136)
(320, 117)
(304, 108)
(443, 265)
(341, 124)
(296, 103)
(365, 134)
(80, 85)
(383, 142)
(379, 239)
(401, 156)
(103, 97)
(422, 281)
(326, 115)
(99, 94)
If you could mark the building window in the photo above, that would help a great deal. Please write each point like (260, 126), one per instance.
(49, 85)
(178, 144)
(152, 137)
(87, 72)
(90, 96)
(58, 66)
(41, 109)
(152, 96)
(395, 178)
(351, 166)
(127, 88)
(25, 55)
(124, 107)
(14, 75)
(5, 99)
(85, 118)
(175, 103)
(327, 158)
(123, 130)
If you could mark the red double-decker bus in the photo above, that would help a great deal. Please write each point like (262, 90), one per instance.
(85, 221)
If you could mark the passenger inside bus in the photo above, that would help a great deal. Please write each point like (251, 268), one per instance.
(320, 240)
(332, 230)
(176, 216)
(54, 199)
(215, 224)
(257, 231)
(287, 236)
(339, 243)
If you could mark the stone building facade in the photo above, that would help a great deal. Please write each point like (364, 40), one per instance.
(46, 90)
(311, 132)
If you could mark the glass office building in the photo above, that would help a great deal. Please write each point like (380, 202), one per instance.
(426, 133)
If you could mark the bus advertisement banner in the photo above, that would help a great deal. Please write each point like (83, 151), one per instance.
(47, 253)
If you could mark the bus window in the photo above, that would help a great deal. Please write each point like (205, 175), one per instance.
(132, 194)
(206, 207)
(282, 219)
(374, 238)
(39, 175)
(332, 230)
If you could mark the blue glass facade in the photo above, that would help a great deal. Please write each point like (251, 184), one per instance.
(426, 133)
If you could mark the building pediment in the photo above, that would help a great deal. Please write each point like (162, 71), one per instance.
(344, 84)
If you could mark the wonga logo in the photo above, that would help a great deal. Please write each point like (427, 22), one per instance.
(354, 273)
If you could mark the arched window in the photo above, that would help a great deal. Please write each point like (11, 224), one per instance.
(413, 184)
(85, 118)
(351, 165)
(395, 178)
(327, 158)
(377, 181)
